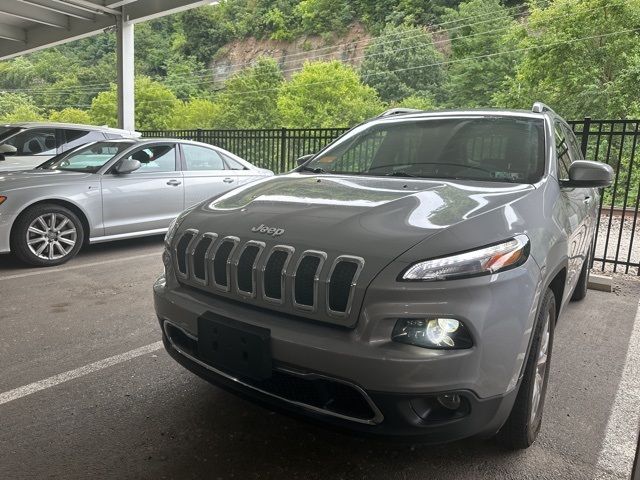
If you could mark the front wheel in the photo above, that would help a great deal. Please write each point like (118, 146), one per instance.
(47, 235)
(525, 419)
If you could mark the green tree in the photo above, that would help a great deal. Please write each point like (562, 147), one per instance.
(154, 105)
(17, 107)
(326, 94)
(474, 77)
(418, 102)
(403, 62)
(71, 115)
(250, 98)
(196, 113)
(581, 59)
(324, 16)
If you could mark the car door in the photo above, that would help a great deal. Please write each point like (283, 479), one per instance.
(205, 173)
(242, 173)
(33, 147)
(573, 205)
(147, 199)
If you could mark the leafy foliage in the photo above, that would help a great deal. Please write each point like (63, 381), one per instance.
(403, 62)
(326, 94)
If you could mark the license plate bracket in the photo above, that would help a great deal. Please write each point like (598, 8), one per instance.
(235, 347)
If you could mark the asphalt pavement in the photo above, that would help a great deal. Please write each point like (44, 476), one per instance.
(87, 392)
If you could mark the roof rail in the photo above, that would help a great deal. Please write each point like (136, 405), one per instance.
(539, 107)
(398, 111)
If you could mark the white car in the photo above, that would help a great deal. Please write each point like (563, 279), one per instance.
(26, 145)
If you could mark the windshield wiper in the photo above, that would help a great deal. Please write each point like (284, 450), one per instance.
(313, 170)
(401, 174)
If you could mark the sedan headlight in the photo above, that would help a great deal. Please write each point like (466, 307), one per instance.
(483, 261)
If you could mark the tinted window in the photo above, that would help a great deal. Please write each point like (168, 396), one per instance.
(201, 158)
(74, 138)
(562, 152)
(156, 158)
(575, 152)
(469, 148)
(86, 159)
(35, 141)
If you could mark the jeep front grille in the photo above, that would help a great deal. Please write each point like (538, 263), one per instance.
(279, 275)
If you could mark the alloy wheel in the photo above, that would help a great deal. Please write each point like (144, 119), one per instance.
(51, 236)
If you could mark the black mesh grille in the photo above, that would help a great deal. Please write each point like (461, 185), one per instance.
(245, 268)
(305, 280)
(199, 262)
(273, 274)
(340, 285)
(220, 263)
(181, 251)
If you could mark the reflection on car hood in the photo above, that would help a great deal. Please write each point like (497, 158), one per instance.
(350, 214)
(28, 178)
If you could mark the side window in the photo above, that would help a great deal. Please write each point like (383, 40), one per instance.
(574, 147)
(35, 141)
(233, 164)
(201, 158)
(562, 152)
(73, 138)
(156, 158)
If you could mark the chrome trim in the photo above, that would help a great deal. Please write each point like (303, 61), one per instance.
(377, 418)
(204, 282)
(308, 253)
(254, 279)
(283, 274)
(235, 241)
(352, 287)
(176, 241)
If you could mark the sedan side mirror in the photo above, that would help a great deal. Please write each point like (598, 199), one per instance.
(6, 149)
(588, 174)
(128, 165)
(303, 159)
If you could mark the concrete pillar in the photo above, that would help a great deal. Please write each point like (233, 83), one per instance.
(124, 47)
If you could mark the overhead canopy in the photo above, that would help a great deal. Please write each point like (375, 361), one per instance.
(30, 25)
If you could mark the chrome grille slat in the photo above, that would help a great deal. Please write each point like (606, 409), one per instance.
(321, 256)
(227, 263)
(288, 251)
(204, 237)
(181, 252)
(254, 287)
(359, 263)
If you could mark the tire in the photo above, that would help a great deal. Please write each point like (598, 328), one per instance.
(522, 427)
(583, 281)
(35, 242)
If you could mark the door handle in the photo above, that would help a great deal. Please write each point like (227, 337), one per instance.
(587, 199)
(228, 180)
(174, 183)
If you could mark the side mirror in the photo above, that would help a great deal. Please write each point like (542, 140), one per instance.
(6, 149)
(303, 159)
(587, 174)
(128, 165)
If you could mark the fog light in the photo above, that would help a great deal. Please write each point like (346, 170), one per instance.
(440, 333)
(449, 401)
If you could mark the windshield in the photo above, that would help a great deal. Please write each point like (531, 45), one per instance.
(89, 158)
(499, 149)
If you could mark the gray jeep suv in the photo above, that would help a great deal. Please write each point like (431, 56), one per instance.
(404, 281)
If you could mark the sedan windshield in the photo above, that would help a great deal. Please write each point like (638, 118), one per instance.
(498, 149)
(90, 158)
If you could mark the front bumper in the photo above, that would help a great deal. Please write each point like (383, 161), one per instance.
(6, 221)
(398, 379)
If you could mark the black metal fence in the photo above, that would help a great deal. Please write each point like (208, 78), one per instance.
(612, 141)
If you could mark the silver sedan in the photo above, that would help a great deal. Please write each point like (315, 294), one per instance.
(110, 190)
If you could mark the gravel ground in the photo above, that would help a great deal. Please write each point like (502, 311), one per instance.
(625, 234)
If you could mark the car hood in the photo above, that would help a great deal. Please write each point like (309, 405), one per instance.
(371, 217)
(38, 178)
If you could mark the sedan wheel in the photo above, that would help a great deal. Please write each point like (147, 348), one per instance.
(52, 236)
(47, 235)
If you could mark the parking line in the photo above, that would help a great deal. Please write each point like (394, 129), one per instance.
(20, 392)
(619, 445)
(76, 267)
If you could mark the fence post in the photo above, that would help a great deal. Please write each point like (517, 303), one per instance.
(283, 150)
(199, 135)
(585, 136)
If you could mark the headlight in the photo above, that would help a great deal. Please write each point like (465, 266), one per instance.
(483, 261)
(438, 333)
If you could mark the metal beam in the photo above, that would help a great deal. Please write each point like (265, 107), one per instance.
(9, 32)
(33, 14)
(61, 9)
(90, 6)
(141, 10)
(126, 68)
